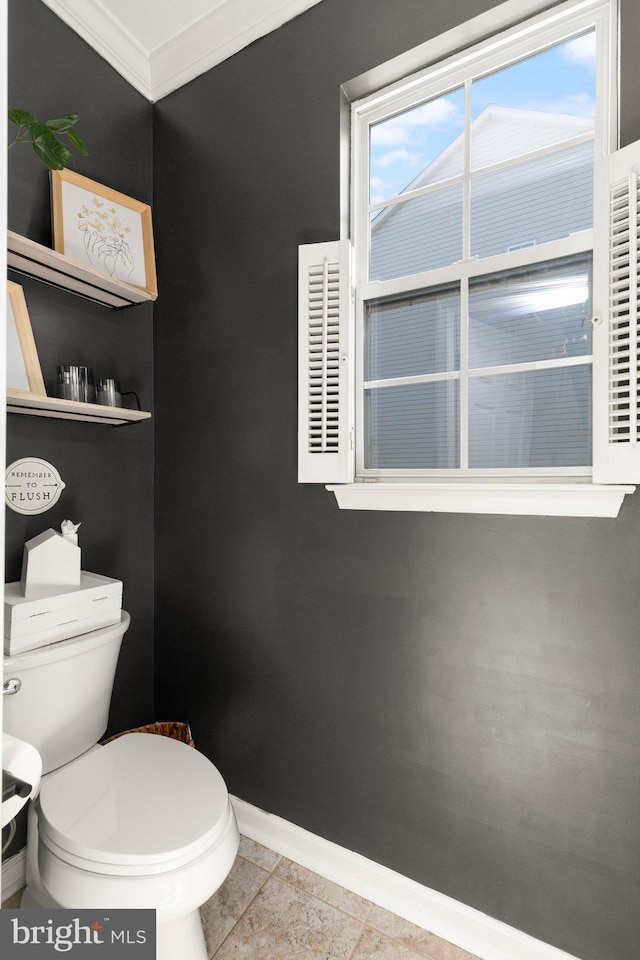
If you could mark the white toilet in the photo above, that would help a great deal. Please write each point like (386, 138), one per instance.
(144, 821)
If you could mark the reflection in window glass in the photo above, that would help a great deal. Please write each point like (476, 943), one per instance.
(535, 419)
(533, 314)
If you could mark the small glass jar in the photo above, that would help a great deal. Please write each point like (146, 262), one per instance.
(75, 383)
(108, 392)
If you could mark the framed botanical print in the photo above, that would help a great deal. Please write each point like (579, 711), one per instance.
(103, 229)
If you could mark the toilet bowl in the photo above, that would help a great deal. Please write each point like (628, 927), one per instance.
(145, 822)
(142, 822)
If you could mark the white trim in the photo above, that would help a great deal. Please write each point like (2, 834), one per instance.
(14, 874)
(523, 499)
(230, 27)
(459, 58)
(471, 372)
(463, 35)
(225, 31)
(109, 38)
(469, 929)
(580, 242)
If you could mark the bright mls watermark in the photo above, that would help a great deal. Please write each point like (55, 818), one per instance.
(79, 934)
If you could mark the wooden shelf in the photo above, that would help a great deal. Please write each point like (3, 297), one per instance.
(29, 404)
(33, 260)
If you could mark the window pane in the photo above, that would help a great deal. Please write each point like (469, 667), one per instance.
(414, 426)
(536, 419)
(533, 202)
(408, 337)
(417, 235)
(414, 145)
(542, 100)
(533, 314)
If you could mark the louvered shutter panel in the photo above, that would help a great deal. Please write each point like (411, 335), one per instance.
(325, 343)
(616, 351)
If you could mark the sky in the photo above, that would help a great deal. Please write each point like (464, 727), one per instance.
(558, 80)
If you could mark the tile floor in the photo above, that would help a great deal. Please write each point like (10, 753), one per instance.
(272, 909)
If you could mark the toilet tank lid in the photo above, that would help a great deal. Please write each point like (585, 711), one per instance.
(62, 649)
(141, 798)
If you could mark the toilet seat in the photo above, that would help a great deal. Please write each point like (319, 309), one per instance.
(141, 804)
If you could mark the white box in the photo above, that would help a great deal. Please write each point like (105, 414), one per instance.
(31, 623)
(50, 565)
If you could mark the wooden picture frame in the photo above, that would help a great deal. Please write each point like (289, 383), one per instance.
(104, 229)
(23, 366)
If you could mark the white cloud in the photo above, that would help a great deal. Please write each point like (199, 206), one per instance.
(575, 104)
(400, 129)
(582, 51)
(434, 113)
(405, 157)
(379, 189)
(388, 134)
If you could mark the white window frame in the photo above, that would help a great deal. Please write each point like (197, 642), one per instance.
(506, 34)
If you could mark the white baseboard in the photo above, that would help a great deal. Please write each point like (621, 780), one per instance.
(13, 874)
(469, 929)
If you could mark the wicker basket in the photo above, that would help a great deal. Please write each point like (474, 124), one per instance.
(173, 729)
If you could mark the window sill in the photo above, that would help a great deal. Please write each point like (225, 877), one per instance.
(525, 499)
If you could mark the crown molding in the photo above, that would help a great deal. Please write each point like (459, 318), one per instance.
(226, 30)
(197, 48)
(109, 38)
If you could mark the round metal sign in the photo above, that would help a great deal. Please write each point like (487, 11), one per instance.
(32, 485)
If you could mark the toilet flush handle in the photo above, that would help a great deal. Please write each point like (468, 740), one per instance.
(10, 687)
(14, 787)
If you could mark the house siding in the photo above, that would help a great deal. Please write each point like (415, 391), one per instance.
(530, 203)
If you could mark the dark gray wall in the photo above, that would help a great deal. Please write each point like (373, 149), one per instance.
(108, 472)
(454, 697)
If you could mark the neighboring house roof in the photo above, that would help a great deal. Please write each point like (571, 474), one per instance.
(498, 133)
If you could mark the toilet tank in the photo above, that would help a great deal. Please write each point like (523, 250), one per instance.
(63, 693)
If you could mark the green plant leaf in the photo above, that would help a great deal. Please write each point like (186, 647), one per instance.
(78, 142)
(64, 123)
(44, 137)
(21, 117)
(50, 151)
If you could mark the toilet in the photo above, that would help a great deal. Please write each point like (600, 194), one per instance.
(144, 821)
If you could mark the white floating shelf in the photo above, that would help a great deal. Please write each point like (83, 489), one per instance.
(29, 404)
(32, 259)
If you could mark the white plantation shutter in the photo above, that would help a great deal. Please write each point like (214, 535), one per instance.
(616, 354)
(325, 346)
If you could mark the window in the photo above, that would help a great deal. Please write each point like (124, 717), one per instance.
(470, 369)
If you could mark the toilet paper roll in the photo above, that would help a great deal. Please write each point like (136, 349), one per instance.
(23, 761)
